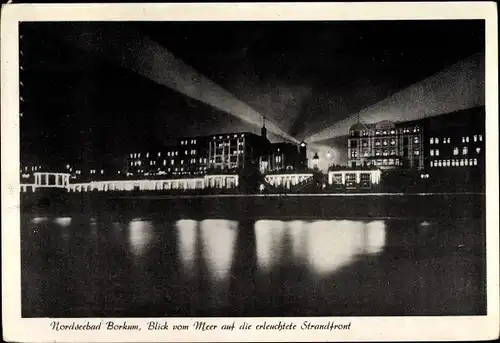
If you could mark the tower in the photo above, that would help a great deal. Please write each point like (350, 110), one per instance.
(263, 130)
(315, 161)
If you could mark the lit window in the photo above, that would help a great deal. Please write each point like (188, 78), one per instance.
(159, 154)
(415, 140)
(147, 154)
(131, 155)
(480, 138)
(139, 155)
(432, 141)
(432, 163)
(393, 142)
(432, 152)
(475, 138)
(437, 140)
(440, 163)
(385, 142)
(467, 139)
(455, 151)
(475, 161)
(453, 163)
(465, 151)
(139, 162)
(172, 162)
(466, 162)
(176, 153)
(437, 152)
(478, 150)
(416, 152)
(131, 162)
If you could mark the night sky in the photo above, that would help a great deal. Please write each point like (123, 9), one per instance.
(304, 76)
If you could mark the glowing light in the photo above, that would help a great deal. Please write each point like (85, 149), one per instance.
(39, 220)
(269, 236)
(375, 232)
(153, 61)
(63, 221)
(333, 244)
(456, 88)
(186, 235)
(140, 236)
(298, 232)
(219, 237)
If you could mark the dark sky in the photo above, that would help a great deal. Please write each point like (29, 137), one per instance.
(303, 75)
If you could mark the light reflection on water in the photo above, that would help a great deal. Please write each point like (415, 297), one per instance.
(63, 221)
(325, 244)
(218, 238)
(141, 234)
(186, 233)
(313, 263)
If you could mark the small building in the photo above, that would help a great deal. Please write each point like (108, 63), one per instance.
(354, 178)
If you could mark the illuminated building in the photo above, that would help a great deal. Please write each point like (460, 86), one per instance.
(386, 145)
(456, 141)
(236, 151)
(284, 157)
(217, 153)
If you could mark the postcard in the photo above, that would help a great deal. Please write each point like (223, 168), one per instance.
(250, 172)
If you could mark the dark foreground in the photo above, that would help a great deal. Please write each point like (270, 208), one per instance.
(237, 257)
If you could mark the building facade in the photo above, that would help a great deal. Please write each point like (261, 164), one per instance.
(235, 151)
(284, 157)
(386, 145)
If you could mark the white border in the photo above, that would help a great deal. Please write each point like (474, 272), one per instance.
(363, 328)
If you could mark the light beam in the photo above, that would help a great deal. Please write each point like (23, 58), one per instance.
(456, 88)
(152, 61)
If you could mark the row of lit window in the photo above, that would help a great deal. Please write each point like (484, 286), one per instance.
(415, 129)
(93, 171)
(435, 140)
(386, 162)
(385, 132)
(384, 143)
(465, 151)
(434, 152)
(33, 168)
(454, 163)
(192, 141)
(228, 136)
(476, 138)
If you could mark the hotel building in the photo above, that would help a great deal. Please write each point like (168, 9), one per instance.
(456, 141)
(386, 145)
(217, 153)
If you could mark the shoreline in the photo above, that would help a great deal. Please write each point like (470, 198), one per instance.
(285, 195)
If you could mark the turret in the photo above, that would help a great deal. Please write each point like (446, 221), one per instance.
(263, 130)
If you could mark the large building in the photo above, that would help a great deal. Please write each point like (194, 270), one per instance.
(217, 153)
(456, 141)
(386, 145)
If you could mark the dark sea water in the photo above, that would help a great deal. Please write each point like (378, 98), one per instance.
(158, 261)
